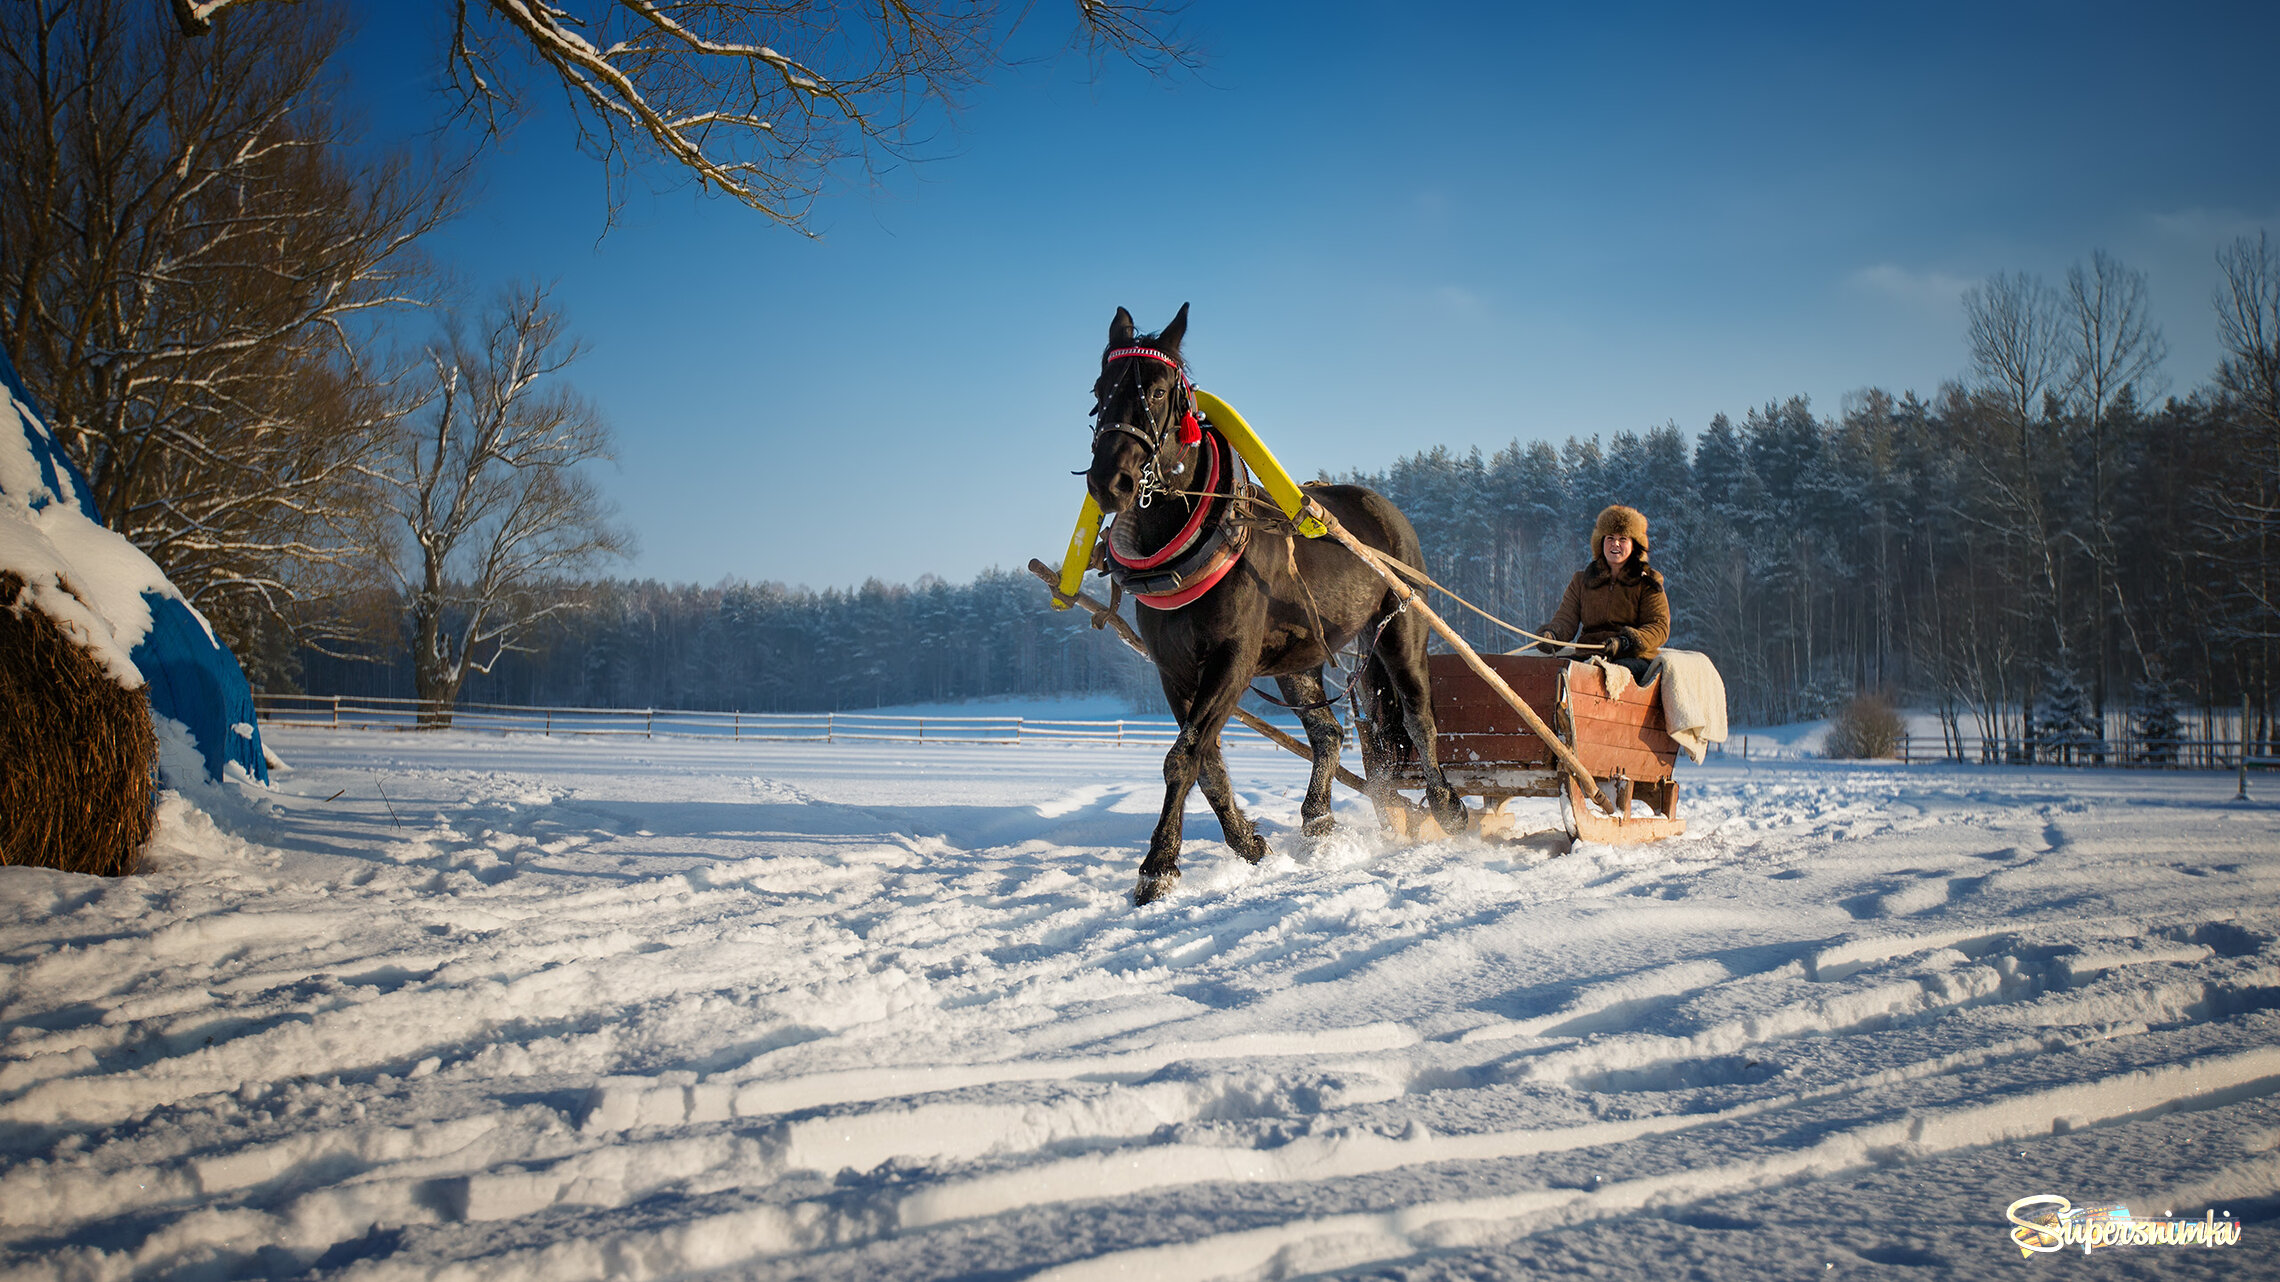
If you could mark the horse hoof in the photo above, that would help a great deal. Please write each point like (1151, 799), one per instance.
(1454, 816)
(1322, 827)
(1154, 886)
(1253, 850)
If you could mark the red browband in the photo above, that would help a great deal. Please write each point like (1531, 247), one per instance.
(1191, 432)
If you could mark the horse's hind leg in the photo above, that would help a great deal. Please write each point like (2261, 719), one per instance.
(1304, 692)
(1401, 646)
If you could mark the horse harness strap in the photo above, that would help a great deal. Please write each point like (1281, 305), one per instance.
(1201, 554)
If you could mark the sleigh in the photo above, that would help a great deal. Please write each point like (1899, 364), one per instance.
(1487, 750)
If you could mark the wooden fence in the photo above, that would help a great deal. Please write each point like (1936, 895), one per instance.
(351, 712)
(2182, 753)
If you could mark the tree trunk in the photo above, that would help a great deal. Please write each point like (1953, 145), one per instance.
(435, 676)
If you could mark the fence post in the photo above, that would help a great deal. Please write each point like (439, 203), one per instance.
(827, 727)
(736, 725)
(649, 723)
(550, 723)
(336, 712)
(2242, 749)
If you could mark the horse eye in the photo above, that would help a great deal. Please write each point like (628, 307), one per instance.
(1158, 393)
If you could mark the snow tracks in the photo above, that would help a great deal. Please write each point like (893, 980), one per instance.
(512, 1010)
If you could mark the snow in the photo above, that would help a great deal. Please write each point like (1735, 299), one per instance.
(463, 1006)
(87, 578)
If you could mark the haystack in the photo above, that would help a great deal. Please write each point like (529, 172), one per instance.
(76, 748)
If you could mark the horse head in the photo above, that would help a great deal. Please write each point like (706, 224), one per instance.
(1143, 413)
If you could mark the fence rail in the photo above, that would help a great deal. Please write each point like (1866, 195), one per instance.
(2182, 753)
(373, 713)
(361, 713)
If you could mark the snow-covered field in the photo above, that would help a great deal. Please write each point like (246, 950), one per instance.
(458, 1006)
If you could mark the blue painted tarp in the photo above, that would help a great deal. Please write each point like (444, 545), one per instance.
(193, 677)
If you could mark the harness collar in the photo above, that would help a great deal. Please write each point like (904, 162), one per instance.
(1181, 541)
(1202, 553)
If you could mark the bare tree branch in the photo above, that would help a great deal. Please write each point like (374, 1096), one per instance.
(754, 99)
(2248, 325)
(187, 264)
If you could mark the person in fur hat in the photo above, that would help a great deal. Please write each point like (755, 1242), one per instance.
(1616, 602)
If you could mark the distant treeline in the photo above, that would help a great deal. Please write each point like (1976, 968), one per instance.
(1924, 548)
(767, 648)
(1933, 550)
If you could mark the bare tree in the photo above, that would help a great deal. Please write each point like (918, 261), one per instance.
(2248, 504)
(483, 482)
(756, 99)
(2117, 351)
(2114, 340)
(186, 255)
(2248, 325)
(2018, 353)
(2013, 326)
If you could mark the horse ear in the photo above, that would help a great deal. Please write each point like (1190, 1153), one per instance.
(1121, 330)
(1169, 340)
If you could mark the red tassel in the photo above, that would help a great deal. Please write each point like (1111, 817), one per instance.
(1191, 432)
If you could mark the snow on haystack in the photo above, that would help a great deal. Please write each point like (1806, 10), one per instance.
(107, 596)
(88, 579)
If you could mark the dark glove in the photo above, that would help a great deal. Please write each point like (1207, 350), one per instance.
(1619, 646)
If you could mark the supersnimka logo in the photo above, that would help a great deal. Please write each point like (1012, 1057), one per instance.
(2045, 1222)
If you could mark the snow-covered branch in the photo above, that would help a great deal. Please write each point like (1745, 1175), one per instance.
(755, 99)
(192, 268)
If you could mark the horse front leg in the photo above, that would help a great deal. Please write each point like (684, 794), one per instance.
(1160, 871)
(1195, 758)
(1226, 679)
(1304, 693)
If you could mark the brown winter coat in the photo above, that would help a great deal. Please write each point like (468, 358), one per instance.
(1603, 604)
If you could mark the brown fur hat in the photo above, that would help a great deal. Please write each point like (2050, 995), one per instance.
(1618, 519)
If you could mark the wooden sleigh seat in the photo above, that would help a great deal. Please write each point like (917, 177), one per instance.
(1488, 752)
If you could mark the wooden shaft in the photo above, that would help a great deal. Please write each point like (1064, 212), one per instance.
(1376, 560)
(1131, 638)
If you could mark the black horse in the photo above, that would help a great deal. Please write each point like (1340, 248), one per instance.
(1229, 592)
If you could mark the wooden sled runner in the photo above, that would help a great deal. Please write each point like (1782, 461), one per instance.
(1488, 751)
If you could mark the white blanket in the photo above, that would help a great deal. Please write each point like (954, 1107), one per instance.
(1693, 698)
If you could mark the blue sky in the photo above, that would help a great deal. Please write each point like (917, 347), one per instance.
(1399, 227)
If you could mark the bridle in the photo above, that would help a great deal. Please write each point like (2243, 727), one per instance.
(1151, 434)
